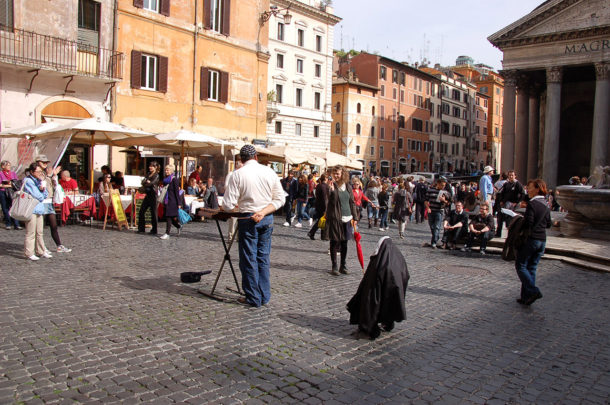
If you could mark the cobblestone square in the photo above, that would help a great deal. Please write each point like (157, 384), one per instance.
(111, 323)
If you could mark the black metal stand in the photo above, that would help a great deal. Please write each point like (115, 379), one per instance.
(226, 258)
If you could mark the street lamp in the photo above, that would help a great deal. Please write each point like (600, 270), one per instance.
(274, 11)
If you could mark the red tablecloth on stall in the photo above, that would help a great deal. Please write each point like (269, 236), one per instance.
(87, 204)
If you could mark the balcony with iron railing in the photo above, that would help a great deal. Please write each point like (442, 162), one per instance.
(37, 51)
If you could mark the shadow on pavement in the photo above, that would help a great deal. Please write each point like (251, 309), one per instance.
(329, 326)
(447, 293)
(168, 284)
(13, 249)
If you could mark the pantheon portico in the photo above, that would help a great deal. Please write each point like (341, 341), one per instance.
(557, 90)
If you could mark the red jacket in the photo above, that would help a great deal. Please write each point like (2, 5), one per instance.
(359, 196)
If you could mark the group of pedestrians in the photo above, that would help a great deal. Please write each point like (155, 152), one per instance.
(40, 182)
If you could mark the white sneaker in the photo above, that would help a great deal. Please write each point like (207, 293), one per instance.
(34, 258)
(294, 219)
(164, 236)
(310, 222)
(286, 223)
(382, 229)
(63, 249)
(298, 225)
(46, 255)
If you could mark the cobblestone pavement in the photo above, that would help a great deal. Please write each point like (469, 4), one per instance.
(111, 323)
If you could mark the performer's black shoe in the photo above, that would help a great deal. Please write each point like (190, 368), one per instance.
(343, 270)
(312, 237)
(334, 271)
(388, 326)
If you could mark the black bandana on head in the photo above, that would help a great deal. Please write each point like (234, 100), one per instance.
(247, 151)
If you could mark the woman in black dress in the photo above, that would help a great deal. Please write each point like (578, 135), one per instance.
(172, 201)
(340, 217)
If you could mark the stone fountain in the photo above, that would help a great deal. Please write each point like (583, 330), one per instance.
(588, 207)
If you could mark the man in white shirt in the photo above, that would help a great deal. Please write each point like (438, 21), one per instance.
(256, 192)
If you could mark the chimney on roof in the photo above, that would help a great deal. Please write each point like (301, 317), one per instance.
(437, 66)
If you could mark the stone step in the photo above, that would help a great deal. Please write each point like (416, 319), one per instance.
(573, 256)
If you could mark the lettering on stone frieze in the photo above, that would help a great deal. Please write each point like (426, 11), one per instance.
(593, 46)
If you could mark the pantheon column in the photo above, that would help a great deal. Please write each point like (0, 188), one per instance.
(599, 144)
(508, 128)
(522, 128)
(533, 133)
(550, 160)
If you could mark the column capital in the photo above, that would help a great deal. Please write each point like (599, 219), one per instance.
(554, 74)
(510, 77)
(601, 70)
(524, 83)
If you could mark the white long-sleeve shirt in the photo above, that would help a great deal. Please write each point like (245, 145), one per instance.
(252, 188)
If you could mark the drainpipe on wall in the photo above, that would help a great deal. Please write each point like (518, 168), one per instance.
(195, 37)
(113, 88)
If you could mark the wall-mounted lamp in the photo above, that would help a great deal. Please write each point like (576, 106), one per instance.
(274, 11)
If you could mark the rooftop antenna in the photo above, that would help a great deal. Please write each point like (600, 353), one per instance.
(341, 36)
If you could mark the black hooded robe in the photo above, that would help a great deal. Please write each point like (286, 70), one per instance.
(381, 294)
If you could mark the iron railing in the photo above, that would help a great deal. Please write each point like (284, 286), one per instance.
(27, 48)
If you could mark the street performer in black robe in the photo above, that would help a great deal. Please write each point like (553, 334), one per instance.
(380, 298)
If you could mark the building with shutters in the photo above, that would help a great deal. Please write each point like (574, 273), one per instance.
(57, 63)
(196, 65)
(456, 111)
(491, 84)
(403, 111)
(354, 129)
(300, 75)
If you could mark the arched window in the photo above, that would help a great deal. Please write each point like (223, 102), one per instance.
(373, 111)
(337, 128)
(358, 108)
(338, 107)
(358, 128)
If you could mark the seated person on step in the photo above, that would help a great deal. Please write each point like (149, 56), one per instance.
(455, 226)
(481, 228)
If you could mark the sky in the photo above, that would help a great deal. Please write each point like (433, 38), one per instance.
(439, 30)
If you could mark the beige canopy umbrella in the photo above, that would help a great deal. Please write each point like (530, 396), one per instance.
(294, 156)
(334, 159)
(179, 140)
(91, 130)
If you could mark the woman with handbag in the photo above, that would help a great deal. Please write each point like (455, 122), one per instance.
(537, 219)
(172, 201)
(7, 188)
(50, 181)
(340, 217)
(34, 186)
(402, 201)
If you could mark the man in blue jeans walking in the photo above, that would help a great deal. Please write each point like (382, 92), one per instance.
(256, 192)
(436, 200)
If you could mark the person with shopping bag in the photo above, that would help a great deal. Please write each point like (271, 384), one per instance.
(34, 186)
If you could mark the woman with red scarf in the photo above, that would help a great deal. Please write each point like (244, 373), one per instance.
(358, 196)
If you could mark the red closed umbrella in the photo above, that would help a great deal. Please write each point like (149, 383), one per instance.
(357, 238)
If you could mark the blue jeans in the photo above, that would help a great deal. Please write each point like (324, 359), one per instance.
(301, 214)
(288, 209)
(254, 251)
(526, 264)
(383, 215)
(435, 221)
(372, 212)
(6, 203)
